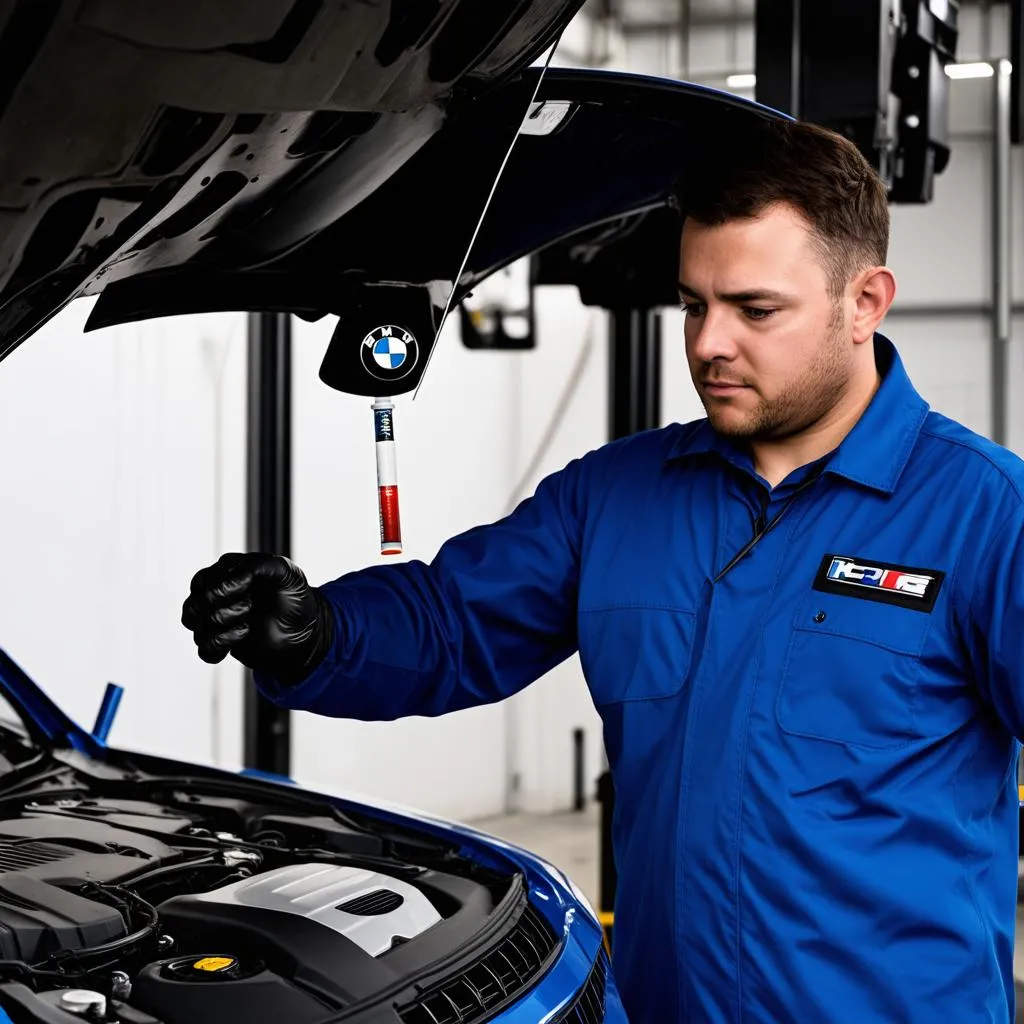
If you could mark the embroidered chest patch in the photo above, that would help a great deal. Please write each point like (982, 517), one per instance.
(870, 580)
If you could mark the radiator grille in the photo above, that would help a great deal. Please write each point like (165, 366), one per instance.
(509, 968)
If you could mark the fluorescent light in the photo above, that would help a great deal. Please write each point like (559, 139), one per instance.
(741, 81)
(980, 70)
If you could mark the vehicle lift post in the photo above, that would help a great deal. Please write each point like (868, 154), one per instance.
(267, 736)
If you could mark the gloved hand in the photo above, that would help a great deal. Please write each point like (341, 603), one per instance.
(260, 609)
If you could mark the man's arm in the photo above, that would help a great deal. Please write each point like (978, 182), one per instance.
(492, 612)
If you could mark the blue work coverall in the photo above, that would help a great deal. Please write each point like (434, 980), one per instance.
(813, 749)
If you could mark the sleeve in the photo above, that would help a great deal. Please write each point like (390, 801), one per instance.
(995, 624)
(494, 611)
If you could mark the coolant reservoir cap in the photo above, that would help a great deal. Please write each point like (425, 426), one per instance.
(205, 968)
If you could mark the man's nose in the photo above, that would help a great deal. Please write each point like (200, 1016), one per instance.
(713, 339)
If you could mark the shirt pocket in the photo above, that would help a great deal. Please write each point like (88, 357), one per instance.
(635, 653)
(851, 672)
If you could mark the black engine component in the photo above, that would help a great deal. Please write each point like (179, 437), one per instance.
(68, 852)
(122, 813)
(41, 859)
(38, 919)
(179, 992)
(319, 830)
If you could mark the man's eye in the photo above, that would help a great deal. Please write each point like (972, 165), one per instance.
(693, 308)
(756, 313)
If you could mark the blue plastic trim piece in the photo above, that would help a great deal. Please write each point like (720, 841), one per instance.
(108, 711)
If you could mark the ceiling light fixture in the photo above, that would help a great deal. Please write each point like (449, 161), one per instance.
(978, 70)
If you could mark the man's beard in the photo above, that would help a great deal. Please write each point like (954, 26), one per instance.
(801, 404)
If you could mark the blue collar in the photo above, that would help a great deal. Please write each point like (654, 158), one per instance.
(874, 453)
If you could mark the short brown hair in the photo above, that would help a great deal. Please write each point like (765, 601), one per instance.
(820, 173)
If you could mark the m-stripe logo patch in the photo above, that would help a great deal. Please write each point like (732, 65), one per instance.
(871, 580)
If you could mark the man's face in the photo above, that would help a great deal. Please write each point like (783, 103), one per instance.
(769, 348)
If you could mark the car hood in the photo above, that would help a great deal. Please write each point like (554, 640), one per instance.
(313, 158)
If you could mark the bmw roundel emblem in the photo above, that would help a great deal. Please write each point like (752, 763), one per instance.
(390, 352)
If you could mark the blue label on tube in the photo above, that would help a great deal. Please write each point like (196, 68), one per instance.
(384, 424)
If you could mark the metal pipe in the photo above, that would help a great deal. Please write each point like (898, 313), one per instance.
(608, 871)
(683, 40)
(1016, 60)
(267, 737)
(579, 800)
(634, 367)
(1002, 304)
(777, 56)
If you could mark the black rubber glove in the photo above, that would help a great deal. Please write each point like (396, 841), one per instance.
(261, 610)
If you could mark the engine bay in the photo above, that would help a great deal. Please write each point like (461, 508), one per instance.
(128, 895)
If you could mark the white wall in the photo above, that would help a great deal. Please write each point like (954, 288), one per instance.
(120, 476)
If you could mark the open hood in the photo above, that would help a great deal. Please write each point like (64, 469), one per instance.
(316, 159)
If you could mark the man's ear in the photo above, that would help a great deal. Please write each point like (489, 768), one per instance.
(872, 291)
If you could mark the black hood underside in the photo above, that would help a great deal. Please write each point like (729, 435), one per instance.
(320, 159)
(131, 134)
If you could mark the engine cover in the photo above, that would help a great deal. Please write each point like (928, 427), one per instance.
(368, 908)
(43, 859)
(38, 919)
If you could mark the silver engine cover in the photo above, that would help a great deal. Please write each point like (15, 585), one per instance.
(315, 892)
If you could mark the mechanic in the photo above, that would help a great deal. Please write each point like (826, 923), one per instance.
(801, 619)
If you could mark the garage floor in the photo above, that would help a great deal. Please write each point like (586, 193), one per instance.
(570, 842)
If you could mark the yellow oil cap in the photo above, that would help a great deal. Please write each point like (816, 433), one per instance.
(214, 963)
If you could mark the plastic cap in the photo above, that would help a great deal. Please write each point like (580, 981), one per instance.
(81, 1001)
